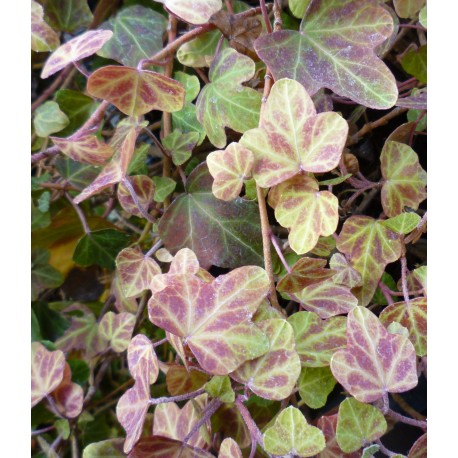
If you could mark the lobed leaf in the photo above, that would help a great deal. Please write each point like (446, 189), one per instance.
(117, 329)
(192, 12)
(49, 118)
(345, 275)
(44, 38)
(180, 145)
(315, 384)
(414, 62)
(141, 349)
(144, 188)
(375, 362)
(292, 138)
(328, 425)
(88, 149)
(229, 449)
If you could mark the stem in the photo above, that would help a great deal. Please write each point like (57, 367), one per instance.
(180, 397)
(80, 214)
(37, 432)
(255, 433)
(229, 6)
(202, 75)
(416, 233)
(154, 248)
(405, 289)
(160, 342)
(408, 421)
(414, 127)
(384, 450)
(386, 292)
(75, 452)
(211, 408)
(81, 69)
(125, 181)
(407, 408)
(265, 15)
(359, 192)
(274, 241)
(141, 307)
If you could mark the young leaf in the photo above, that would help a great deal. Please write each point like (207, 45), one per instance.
(88, 149)
(49, 119)
(403, 223)
(111, 448)
(413, 317)
(200, 51)
(414, 62)
(44, 38)
(136, 92)
(345, 275)
(358, 424)
(220, 387)
(144, 189)
(211, 227)
(137, 34)
(405, 179)
(229, 449)
(334, 48)
(274, 374)
(370, 246)
(214, 319)
(164, 186)
(307, 212)
(408, 8)
(328, 424)
(47, 371)
(292, 435)
(316, 339)
(141, 349)
(194, 13)
(74, 50)
(292, 138)
(315, 384)
(117, 330)
(43, 275)
(67, 15)
(375, 362)
(180, 145)
(229, 169)
(225, 101)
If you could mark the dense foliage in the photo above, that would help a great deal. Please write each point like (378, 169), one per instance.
(229, 228)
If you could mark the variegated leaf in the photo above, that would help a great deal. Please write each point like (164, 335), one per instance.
(180, 380)
(375, 362)
(141, 349)
(69, 399)
(117, 329)
(292, 138)
(192, 12)
(229, 449)
(144, 189)
(110, 448)
(403, 223)
(345, 275)
(163, 447)
(419, 449)
(328, 424)
(44, 38)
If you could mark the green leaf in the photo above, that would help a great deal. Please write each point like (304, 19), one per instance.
(225, 101)
(408, 8)
(77, 174)
(43, 202)
(298, 7)
(63, 428)
(315, 384)
(368, 452)
(43, 275)
(49, 119)
(414, 62)
(358, 424)
(379, 297)
(40, 219)
(35, 328)
(292, 435)
(335, 181)
(138, 165)
(100, 247)
(191, 84)
(117, 330)
(80, 371)
(164, 187)
(111, 448)
(423, 17)
(67, 15)
(180, 145)
(220, 387)
(414, 115)
(403, 223)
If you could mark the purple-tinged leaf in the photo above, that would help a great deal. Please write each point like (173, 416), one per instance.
(144, 189)
(67, 15)
(315, 384)
(408, 8)
(292, 138)
(117, 330)
(163, 447)
(334, 48)
(69, 399)
(141, 349)
(274, 374)
(214, 319)
(176, 341)
(419, 449)
(180, 380)
(229, 449)
(375, 362)
(44, 38)
(74, 50)
(414, 102)
(47, 371)
(346, 275)
(405, 179)
(122, 302)
(228, 422)
(316, 339)
(369, 246)
(328, 424)
(192, 12)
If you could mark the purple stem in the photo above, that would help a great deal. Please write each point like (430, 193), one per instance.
(386, 292)
(406, 420)
(211, 408)
(125, 181)
(153, 249)
(181, 397)
(80, 214)
(255, 433)
(405, 288)
(274, 241)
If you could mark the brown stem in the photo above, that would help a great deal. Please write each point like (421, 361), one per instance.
(265, 16)
(141, 308)
(359, 192)
(49, 91)
(80, 214)
(274, 241)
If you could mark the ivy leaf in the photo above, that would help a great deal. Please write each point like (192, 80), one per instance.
(403, 223)
(44, 38)
(88, 149)
(111, 448)
(358, 424)
(214, 319)
(292, 138)
(370, 246)
(408, 8)
(298, 7)
(225, 101)
(163, 447)
(180, 381)
(334, 48)
(292, 435)
(49, 118)
(43, 275)
(316, 339)
(413, 317)
(141, 349)
(345, 275)
(47, 371)
(423, 17)
(136, 271)
(74, 50)
(419, 448)
(211, 227)
(136, 92)
(414, 62)
(117, 330)
(405, 179)
(315, 384)
(164, 186)
(69, 398)
(144, 189)
(229, 449)
(328, 425)
(180, 145)
(229, 169)
(306, 211)
(100, 247)
(220, 387)
(375, 362)
(194, 13)
(67, 15)
(137, 35)
(274, 374)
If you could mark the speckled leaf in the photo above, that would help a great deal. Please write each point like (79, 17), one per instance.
(304, 272)
(414, 62)
(180, 145)
(132, 407)
(117, 329)
(214, 319)
(229, 449)
(273, 375)
(163, 447)
(180, 381)
(141, 349)
(137, 35)
(225, 101)
(306, 211)
(87, 149)
(328, 425)
(292, 138)
(408, 8)
(413, 317)
(49, 118)
(369, 246)
(220, 387)
(327, 299)
(111, 448)
(47, 371)
(136, 92)
(345, 275)
(316, 339)
(334, 48)
(375, 362)
(229, 169)
(292, 435)
(403, 223)
(74, 50)
(211, 227)
(193, 12)
(144, 189)
(358, 424)
(67, 15)
(419, 449)
(405, 179)
(315, 384)
(136, 271)
(44, 38)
